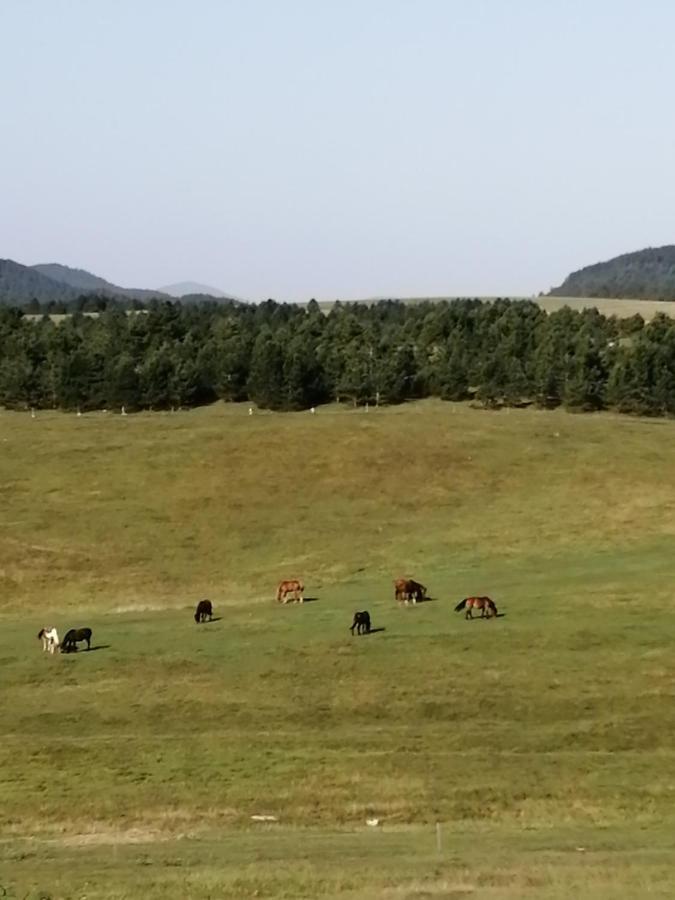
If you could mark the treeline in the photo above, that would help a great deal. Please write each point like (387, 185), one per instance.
(287, 357)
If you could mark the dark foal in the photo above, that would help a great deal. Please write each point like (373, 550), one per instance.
(203, 610)
(361, 622)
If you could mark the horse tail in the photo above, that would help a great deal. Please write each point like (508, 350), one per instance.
(461, 604)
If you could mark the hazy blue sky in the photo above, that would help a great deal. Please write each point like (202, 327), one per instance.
(353, 148)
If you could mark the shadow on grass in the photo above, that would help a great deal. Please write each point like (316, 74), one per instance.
(311, 599)
(485, 618)
(375, 630)
(97, 647)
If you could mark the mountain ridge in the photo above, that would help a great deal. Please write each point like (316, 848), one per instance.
(46, 282)
(86, 282)
(186, 288)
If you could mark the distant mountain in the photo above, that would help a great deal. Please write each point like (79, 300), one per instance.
(52, 281)
(644, 275)
(20, 284)
(86, 283)
(183, 288)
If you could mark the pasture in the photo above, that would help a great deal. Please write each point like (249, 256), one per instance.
(541, 740)
(622, 308)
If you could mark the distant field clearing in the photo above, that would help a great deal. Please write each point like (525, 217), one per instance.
(608, 306)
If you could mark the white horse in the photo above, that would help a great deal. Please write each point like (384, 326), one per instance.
(50, 639)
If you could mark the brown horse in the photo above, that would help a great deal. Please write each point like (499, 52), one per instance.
(484, 604)
(294, 588)
(406, 589)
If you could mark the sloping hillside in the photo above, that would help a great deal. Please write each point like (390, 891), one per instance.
(646, 274)
(20, 284)
(86, 283)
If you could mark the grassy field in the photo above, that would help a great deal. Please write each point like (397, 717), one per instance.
(608, 306)
(541, 741)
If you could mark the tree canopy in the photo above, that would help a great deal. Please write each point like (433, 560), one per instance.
(287, 357)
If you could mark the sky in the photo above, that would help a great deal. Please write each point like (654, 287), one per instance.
(362, 148)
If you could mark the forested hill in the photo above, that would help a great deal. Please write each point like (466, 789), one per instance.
(85, 282)
(20, 284)
(55, 283)
(646, 275)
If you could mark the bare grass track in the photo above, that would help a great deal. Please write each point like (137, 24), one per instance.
(135, 770)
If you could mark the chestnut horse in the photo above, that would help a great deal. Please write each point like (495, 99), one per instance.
(406, 589)
(484, 604)
(294, 588)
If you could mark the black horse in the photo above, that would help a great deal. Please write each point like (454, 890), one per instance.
(203, 610)
(69, 643)
(361, 622)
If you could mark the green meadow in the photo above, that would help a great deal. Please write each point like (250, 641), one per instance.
(541, 742)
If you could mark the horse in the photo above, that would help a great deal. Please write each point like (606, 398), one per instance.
(361, 622)
(69, 642)
(49, 638)
(406, 589)
(203, 610)
(484, 604)
(294, 587)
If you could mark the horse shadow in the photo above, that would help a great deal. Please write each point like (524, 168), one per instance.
(375, 630)
(486, 618)
(214, 619)
(97, 647)
(425, 600)
(310, 599)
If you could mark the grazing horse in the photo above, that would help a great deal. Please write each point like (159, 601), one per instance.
(69, 643)
(203, 610)
(484, 604)
(361, 622)
(406, 589)
(49, 638)
(294, 588)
